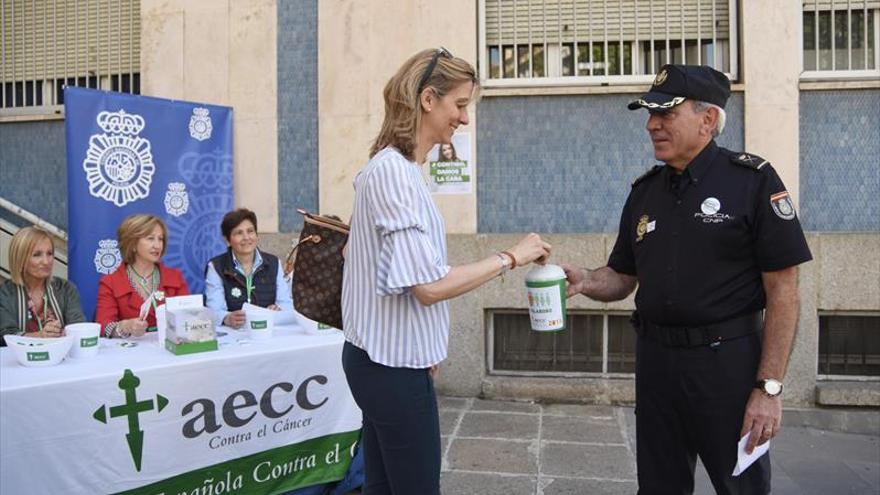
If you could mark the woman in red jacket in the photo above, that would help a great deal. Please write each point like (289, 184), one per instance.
(140, 277)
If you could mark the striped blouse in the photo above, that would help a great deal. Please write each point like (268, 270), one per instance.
(397, 240)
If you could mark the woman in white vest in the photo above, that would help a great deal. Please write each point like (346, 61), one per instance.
(396, 280)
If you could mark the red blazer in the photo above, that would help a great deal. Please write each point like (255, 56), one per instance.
(117, 299)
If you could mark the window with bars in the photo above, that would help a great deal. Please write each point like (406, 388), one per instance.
(558, 42)
(592, 343)
(841, 38)
(849, 345)
(46, 45)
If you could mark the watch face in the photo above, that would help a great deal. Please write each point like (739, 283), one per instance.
(772, 387)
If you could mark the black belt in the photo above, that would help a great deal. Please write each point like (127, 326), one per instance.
(697, 336)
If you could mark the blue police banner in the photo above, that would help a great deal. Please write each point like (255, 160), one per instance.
(135, 154)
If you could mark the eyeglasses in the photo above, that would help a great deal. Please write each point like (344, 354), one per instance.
(430, 69)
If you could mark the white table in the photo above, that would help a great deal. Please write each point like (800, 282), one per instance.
(251, 417)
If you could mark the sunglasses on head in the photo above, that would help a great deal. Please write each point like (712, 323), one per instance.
(430, 69)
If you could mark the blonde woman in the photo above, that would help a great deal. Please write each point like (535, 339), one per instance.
(396, 279)
(142, 242)
(35, 303)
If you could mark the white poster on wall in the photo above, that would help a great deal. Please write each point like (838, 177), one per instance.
(449, 166)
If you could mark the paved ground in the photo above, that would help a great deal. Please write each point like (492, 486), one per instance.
(511, 448)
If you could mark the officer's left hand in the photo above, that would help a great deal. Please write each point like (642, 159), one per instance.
(763, 418)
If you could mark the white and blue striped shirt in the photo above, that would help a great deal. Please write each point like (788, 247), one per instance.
(397, 240)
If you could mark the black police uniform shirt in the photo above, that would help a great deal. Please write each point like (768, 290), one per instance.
(698, 241)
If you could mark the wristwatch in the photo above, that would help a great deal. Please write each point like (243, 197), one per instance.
(770, 386)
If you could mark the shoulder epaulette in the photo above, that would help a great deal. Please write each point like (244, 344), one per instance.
(651, 171)
(748, 160)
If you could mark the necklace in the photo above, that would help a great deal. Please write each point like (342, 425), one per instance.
(146, 283)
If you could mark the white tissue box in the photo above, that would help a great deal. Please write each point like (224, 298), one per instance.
(190, 330)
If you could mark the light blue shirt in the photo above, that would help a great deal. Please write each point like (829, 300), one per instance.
(215, 299)
(397, 241)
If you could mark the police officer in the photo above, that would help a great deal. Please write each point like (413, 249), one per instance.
(712, 240)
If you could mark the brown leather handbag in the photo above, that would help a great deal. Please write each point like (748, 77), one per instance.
(316, 261)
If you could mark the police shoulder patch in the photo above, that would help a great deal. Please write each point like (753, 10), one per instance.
(653, 170)
(748, 160)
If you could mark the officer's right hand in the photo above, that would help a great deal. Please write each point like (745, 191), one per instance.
(576, 277)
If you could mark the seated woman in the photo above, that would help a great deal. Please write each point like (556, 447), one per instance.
(35, 303)
(243, 273)
(140, 277)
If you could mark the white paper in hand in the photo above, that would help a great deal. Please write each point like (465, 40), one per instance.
(286, 318)
(145, 308)
(743, 460)
(257, 311)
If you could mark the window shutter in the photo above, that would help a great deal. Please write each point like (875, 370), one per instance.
(69, 38)
(521, 21)
(812, 5)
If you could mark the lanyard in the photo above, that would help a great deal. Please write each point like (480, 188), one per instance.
(34, 313)
(249, 285)
(142, 282)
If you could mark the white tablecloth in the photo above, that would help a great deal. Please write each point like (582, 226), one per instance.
(251, 417)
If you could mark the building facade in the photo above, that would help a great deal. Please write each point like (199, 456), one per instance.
(553, 147)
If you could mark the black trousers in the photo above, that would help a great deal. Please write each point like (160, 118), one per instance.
(401, 432)
(690, 402)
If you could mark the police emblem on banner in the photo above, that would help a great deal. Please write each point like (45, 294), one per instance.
(176, 199)
(206, 171)
(119, 165)
(199, 236)
(200, 124)
(782, 205)
(206, 175)
(107, 256)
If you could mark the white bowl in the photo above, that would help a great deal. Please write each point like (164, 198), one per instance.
(39, 352)
(259, 322)
(86, 341)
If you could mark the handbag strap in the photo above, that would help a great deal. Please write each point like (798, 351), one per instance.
(324, 221)
(288, 261)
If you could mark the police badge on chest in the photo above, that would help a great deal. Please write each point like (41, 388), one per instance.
(644, 227)
(710, 212)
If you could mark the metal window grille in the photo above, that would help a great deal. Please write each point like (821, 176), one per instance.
(48, 44)
(841, 39)
(849, 345)
(562, 42)
(599, 344)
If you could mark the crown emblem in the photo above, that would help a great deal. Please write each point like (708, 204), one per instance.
(120, 122)
(107, 256)
(176, 199)
(200, 126)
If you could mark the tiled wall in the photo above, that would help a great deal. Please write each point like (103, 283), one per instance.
(840, 160)
(33, 170)
(297, 111)
(564, 164)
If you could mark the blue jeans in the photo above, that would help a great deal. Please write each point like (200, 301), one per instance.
(401, 432)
